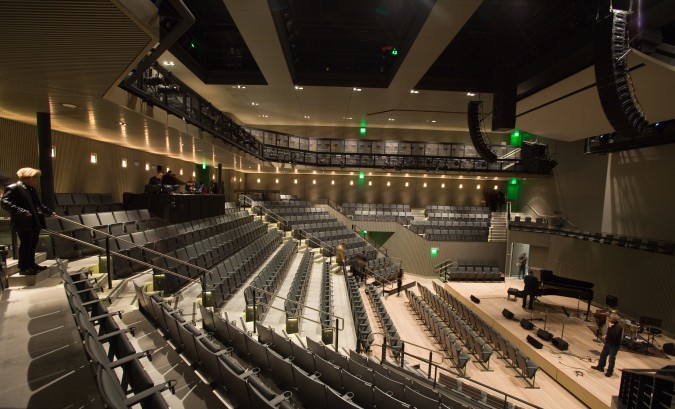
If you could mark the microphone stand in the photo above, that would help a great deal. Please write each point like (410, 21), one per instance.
(545, 318)
(578, 315)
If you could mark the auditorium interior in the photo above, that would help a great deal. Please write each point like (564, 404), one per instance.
(359, 187)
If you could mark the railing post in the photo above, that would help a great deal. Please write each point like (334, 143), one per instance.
(430, 361)
(384, 350)
(337, 333)
(107, 261)
(402, 353)
(254, 311)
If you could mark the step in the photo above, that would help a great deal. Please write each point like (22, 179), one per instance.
(20, 280)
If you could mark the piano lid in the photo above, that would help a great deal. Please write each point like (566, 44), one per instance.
(547, 277)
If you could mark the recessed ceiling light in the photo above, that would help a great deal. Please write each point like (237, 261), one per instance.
(298, 87)
(122, 123)
(168, 63)
(414, 91)
(255, 104)
(431, 121)
(356, 89)
(347, 117)
(307, 116)
(72, 106)
(391, 119)
(239, 86)
(263, 116)
(470, 94)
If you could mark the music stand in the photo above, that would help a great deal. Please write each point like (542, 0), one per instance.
(653, 328)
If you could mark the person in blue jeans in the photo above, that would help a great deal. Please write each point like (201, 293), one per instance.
(612, 344)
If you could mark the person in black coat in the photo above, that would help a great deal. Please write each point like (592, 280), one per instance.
(531, 287)
(27, 213)
(612, 344)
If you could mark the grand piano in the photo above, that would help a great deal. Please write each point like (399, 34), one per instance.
(552, 284)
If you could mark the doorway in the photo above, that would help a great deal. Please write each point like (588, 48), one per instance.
(518, 249)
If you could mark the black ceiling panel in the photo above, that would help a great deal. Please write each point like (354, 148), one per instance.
(347, 42)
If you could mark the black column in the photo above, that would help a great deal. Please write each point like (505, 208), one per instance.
(44, 133)
(221, 186)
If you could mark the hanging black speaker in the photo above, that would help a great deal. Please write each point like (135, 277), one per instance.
(478, 138)
(615, 87)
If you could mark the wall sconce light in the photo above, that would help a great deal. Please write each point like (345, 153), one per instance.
(332, 182)
(124, 163)
(314, 181)
(442, 185)
(276, 180)
(53, 153)
(258, 180)
(406, 184)
(147, 166)
(295, 181)
(388, 183)
(477, 187)
(93, 158)
(461, 186)
(351, 183)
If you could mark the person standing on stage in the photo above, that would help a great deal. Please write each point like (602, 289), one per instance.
(612, 344)
(531, 287)
(27, 213)
(522, 264)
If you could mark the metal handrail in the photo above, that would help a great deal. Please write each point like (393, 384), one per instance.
(108, 235)
(548, 217)
(55, 233)
(317, 240)
(386, 337)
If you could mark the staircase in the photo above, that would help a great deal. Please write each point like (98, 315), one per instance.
(498, 226)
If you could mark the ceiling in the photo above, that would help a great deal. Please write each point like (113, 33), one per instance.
(318, 68)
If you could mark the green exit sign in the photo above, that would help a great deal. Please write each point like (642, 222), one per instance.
(433, 251)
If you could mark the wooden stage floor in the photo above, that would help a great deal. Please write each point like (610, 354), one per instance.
(565, 379)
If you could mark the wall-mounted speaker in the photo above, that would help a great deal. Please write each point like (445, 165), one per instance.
(534, 342)
(475, 299)
(545, 335)
(478, 138)
(507, 314)
(527, 324)
(560, 343)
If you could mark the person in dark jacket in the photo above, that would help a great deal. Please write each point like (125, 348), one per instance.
(27, 213)
(612, 344)
(531, 287)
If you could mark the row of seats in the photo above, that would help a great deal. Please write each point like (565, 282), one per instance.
(440, 331)
(393, 338)
(269, 279)
(326, 300)
(116, 365)
(297, 293)
(301, 231)
(317, 237)
(419, 226)
(328, 379)
(542, 226)
(472, 274)
(382, 216)
(465, 235)
(224, 279)
(528, 369)
(290, 222)
(79, 203)
(349, 208)
(460, 217)
(364, 334)
(455, 209)
(471, 339)
(222, 366)
(56, 246)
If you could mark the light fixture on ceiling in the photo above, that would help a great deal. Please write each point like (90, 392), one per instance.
(299, 88)
(347, 117)
(356, 89)
(93, 158)
(255, 104)
(239, 86)
(71, 106)
(122, 123)
(470, 94)
(414, 91)
(307, 116)
(391, 119)
(168, 63)
(124, 163)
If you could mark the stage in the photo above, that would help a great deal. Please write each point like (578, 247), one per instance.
(571, 368)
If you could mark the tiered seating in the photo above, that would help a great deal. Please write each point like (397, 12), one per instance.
(297, 292)
(326, 303)
(474, 342)
(364, 334)
(302, 230)
(118, 222)
(440, 331)
(457, 210)
(451, 230)
(383, 269)
(291, 213)
(115, 363)
(222, 363)
(508, 351)
(80, 203)
(267, 282)
(225, 278)
(378, 212)
(394, 340)
(472, 270)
